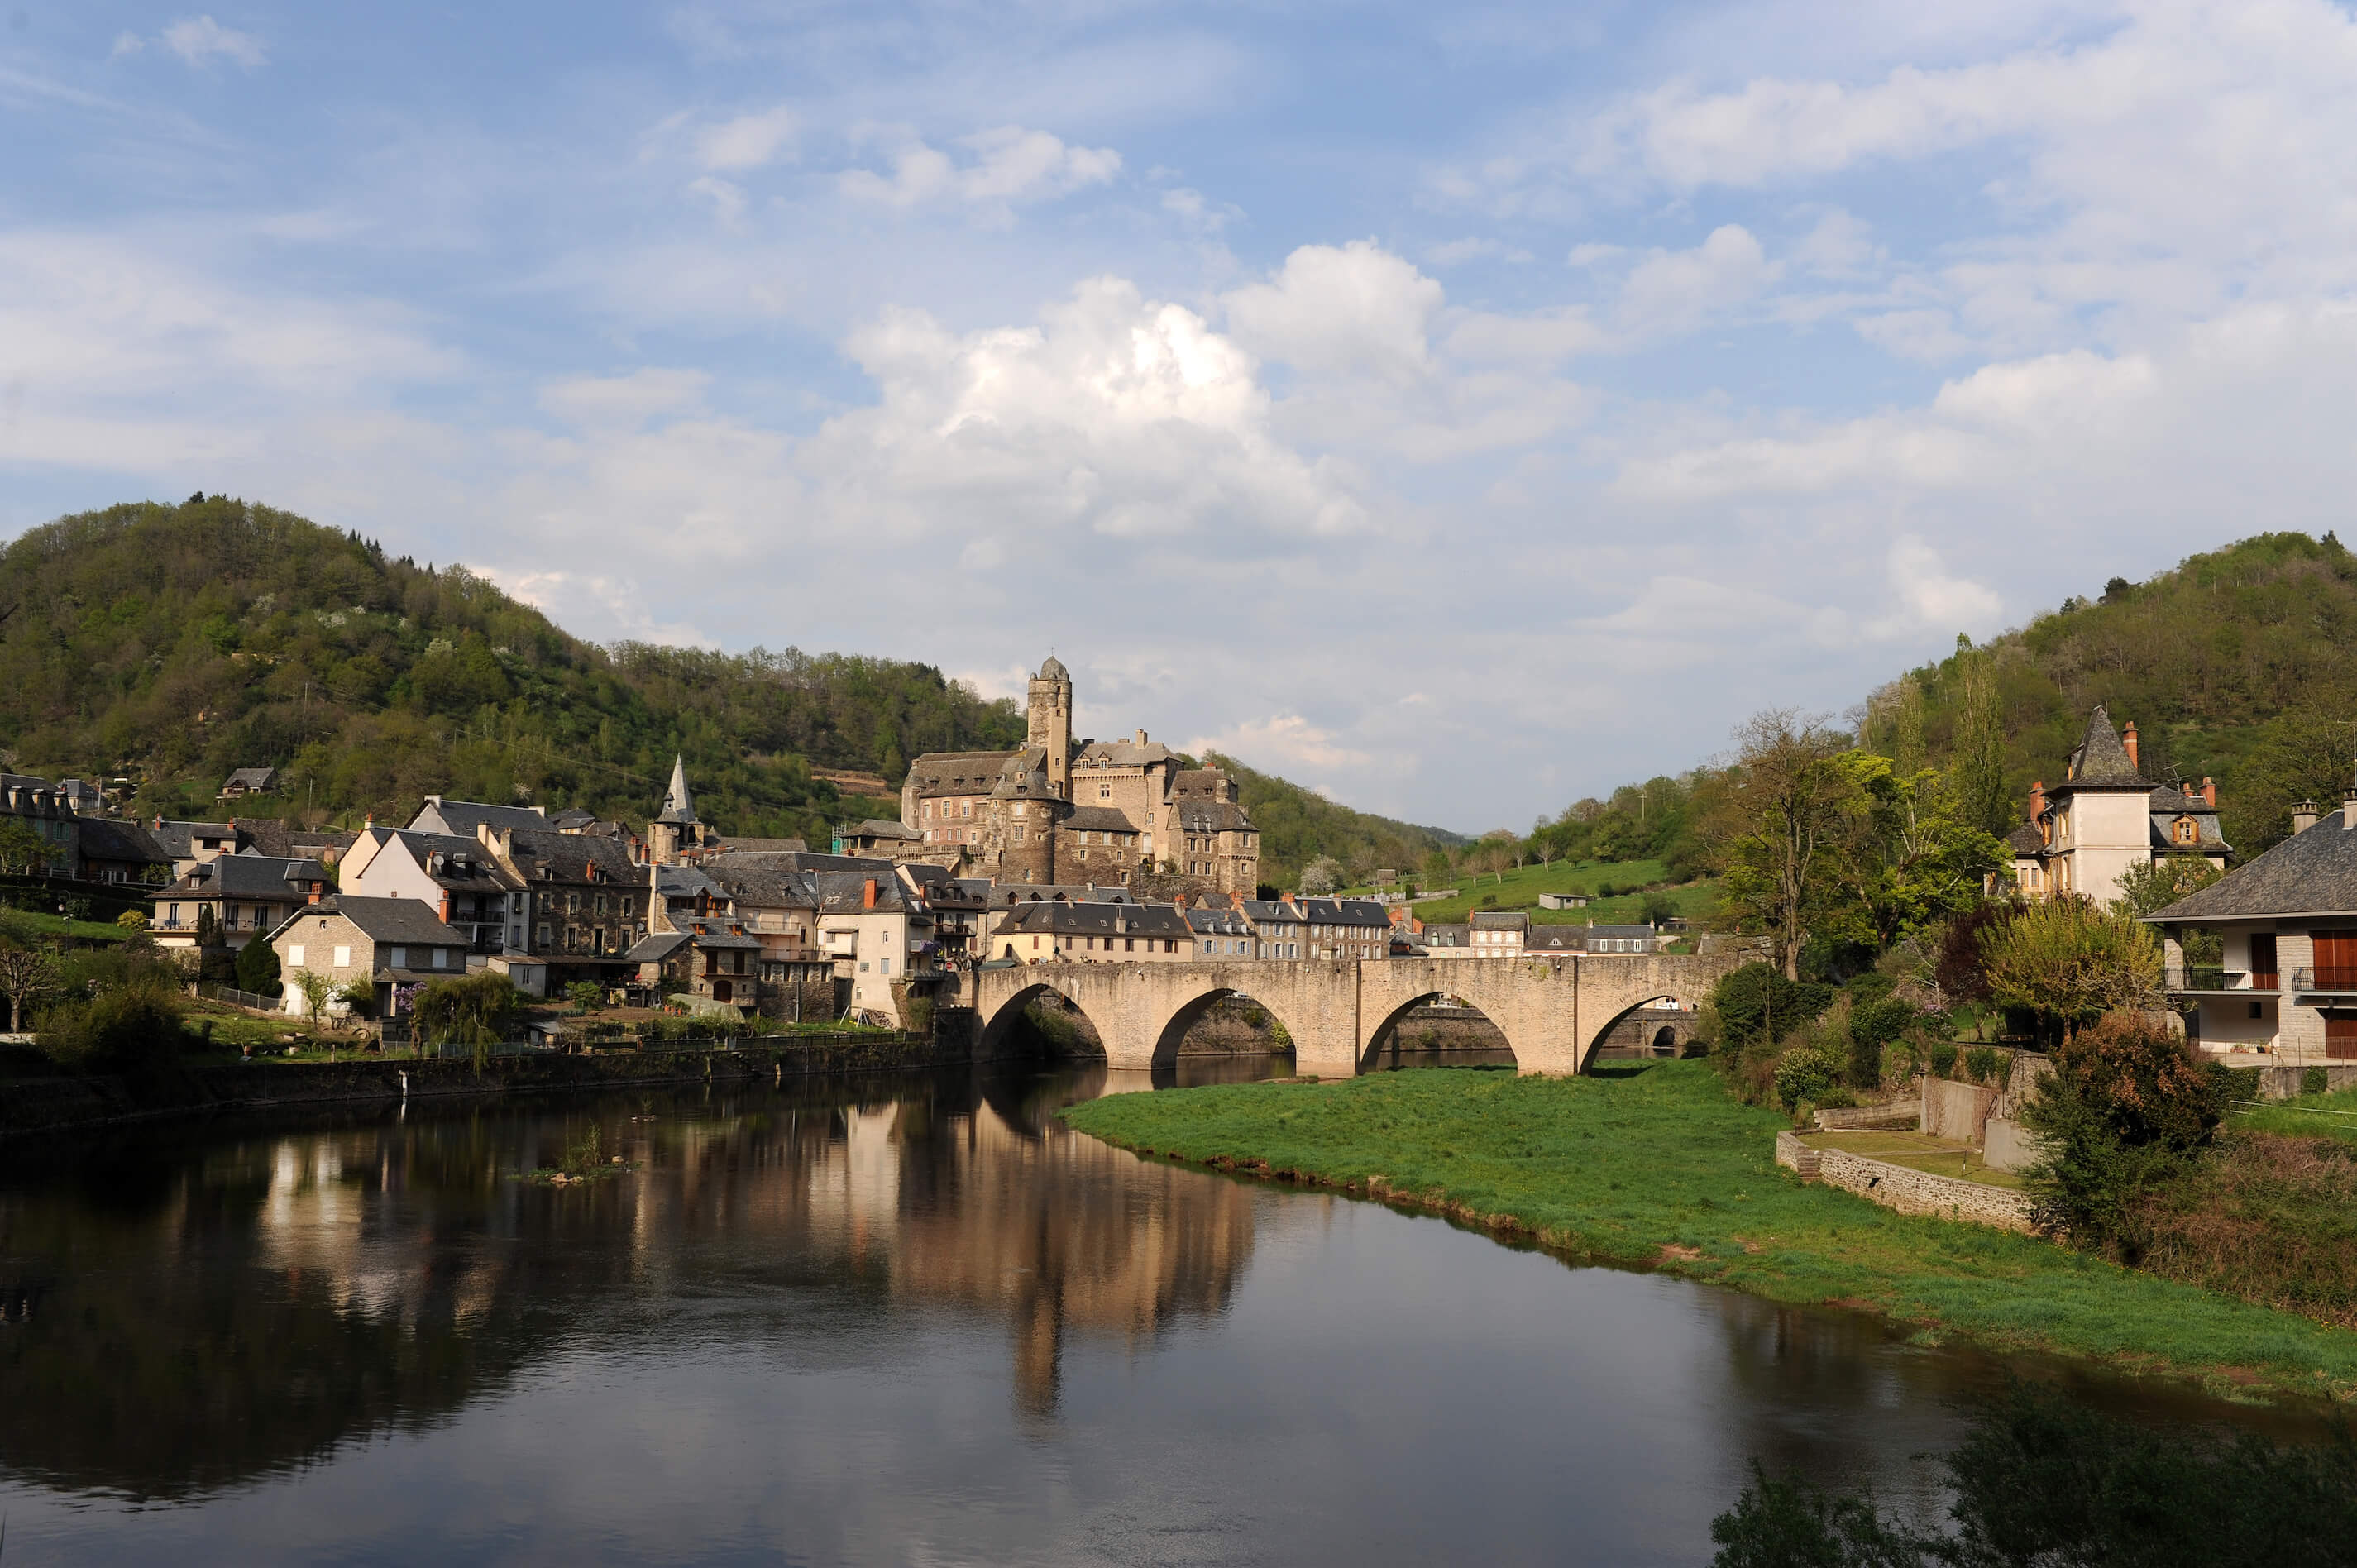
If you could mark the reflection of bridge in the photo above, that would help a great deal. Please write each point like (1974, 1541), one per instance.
(1552, 1012)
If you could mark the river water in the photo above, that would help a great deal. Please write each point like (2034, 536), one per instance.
(908, 1320)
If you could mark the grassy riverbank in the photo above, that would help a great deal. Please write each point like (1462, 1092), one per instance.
(1665, 1168)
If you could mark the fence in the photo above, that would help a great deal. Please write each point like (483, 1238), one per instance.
(236, 998)
(397, 1041)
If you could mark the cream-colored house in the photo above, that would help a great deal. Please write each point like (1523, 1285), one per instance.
(388, 943)
(2105, 817)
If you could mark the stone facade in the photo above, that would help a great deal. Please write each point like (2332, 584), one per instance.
(1058, 811)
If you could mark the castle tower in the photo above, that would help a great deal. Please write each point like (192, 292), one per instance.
(677, 828)
(1051, 723)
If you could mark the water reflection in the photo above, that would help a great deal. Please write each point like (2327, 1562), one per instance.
(907, 1319)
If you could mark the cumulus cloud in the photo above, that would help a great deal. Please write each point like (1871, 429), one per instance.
(1353, 310)
(999, 168)
(1925, 593)
(1281, 741)
(1673, 289)
(749, 141)
(200, 40)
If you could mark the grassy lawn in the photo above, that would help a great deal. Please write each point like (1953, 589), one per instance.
(80, 930)
(1662, 1168)
(2308, 1116)
(1916, 1152)
(1521, 890)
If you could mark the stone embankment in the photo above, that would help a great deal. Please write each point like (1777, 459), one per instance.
(1905, 1191)
(69, 1103)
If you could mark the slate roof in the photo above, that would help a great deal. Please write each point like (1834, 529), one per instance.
(958, 772)
(1499, 920)
(845, 892)
(756, 887)
(1274, 910)
(721, 934)
(655, 947)
(764, 846)
(256, 779)
(878, 828)
(103, 838)
(459, 863)
(1210, 922)
(1096, 919)
(1556, 938)
(2169, 805)
(463, 817)
(1444, 936)
(865, 865)
(179, 838)
(567, 857)
(1212, 817)
(2027, 841)
(1124, 753)
(2101, 760)
(407, 921)
(1006, 895)
(1346, 912)
(249, 876)
(2312, 873)
(1098, 819)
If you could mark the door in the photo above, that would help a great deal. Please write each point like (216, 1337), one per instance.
(2263, 960)
(2336, 961)
(2340, 1038)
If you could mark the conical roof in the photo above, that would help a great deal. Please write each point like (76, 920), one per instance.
(2101, 757)
(677, 808)
(1053, 669)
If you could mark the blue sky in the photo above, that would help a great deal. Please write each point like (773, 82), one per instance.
(1461, 409)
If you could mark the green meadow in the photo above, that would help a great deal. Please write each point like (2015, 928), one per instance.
(1660, 1167)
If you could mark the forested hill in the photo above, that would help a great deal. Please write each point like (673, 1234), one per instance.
(1296, 825)
(172, 644)
(2235, 665)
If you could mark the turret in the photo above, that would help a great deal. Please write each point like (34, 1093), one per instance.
(1051, 723)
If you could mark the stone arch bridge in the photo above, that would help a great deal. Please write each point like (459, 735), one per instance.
(1552, 1012)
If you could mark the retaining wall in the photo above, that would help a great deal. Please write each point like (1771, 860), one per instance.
(1955, 1110)
(1891, 1113)
(1905, 1191)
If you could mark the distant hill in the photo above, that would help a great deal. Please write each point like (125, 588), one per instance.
(172, 644)
(2235, 665)
(1296, 825)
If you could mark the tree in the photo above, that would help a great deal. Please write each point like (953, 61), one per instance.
(478, 1012)
(2153, 886)
(22, 851)
(2124, 1104)
(2072, 960)
(27, 975)
(1318, 876)
(584, 994)
(1909, 858)
(316, 990)
(1778, 823)
(257, 966)
(1978, 767)
(2303, 755)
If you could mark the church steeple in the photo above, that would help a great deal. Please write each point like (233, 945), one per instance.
(677, 807)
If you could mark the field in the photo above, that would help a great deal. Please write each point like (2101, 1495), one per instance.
(1660, 1167)
(1519, 889)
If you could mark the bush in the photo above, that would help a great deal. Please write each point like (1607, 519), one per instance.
(1984, 1064)
(1956, 964)
(257, 967)
(124, 1029)
(584, 994)
(478, 1011)
(1746, 1000)
(1807, 1072)
(1871, 988)
(1872, 1027)
(1940, 1055)
(2072, 960)
(2125, 1106)
(2315, 1081)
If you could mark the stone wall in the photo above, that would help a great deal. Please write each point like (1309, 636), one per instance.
(2283, 1082)
(1795, 1155)
(1956, 1110)
(1906, 1191)
(1893, 1114)
(2007, 1145)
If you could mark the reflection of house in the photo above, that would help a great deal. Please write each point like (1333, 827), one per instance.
(2288, 927)
(2105, 817)
(388, 942)
(243, 892)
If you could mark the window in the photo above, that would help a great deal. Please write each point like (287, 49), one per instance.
(343, 958)
(396, 958)
(1129, 944)
(628, 905)
(441, 958)
(884, 965)
(295, 956)
(602, 904)
(573, 903)
(544, 938)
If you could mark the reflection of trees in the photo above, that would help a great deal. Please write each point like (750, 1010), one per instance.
(193, 1318)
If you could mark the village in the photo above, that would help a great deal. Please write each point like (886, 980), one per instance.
(1062, 851)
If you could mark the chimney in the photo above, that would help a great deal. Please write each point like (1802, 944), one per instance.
(868, 897)
(2208, 792)
(2128, 739)
(446, 906)
(2349, 809)
(2303, 816)
(2037, 798)
(315, 893)
(1141, 737)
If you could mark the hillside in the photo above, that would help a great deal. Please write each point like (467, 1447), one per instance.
(1296, 825)
(2234, 665)
(172, 644)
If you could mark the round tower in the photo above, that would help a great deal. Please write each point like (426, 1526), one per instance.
(1051, 723)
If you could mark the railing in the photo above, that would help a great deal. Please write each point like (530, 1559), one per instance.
(2212, 977)
(237, 998)
(2326, 977)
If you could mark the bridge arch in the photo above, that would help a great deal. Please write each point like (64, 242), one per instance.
(1596, 1045)
(1186, 1015)
(1385, 1032)
(1002, 1021)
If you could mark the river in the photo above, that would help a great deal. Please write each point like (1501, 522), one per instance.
(912, 1319)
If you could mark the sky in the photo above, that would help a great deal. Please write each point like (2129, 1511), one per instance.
(1459, 408)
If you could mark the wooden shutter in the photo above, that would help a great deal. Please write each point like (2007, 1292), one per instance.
(2340, 1038)
(2263, 960)
(2336, 961)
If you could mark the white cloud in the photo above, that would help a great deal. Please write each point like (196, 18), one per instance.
(728, 198)
(630, 399)
(1676, 289)
(200, 40)
(1457, 252)
(747, 142)
(1281, 741)
(1002, 167)
(1354, 309)
(1924, 595)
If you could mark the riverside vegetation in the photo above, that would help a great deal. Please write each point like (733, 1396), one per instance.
(1663, 1167)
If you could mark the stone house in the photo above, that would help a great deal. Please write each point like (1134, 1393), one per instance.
(1221, 934)
(250, 781)
(1053, 931)
(1279, 931)
(1497, 933)
(1092, 840)
(961, 910)
(392, 943)
(581, 901)
(2105, 817)
(1591, 939)
(460, 879)
(716, 959)
(243, 892)
(2287, 920)
(1357, 929)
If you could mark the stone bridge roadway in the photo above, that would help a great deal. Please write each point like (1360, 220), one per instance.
(1552, 1012)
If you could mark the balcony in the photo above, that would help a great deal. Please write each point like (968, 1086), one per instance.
(2201, 977)
(2330, 979)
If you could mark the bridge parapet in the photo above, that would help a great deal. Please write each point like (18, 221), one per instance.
(1552, 1012)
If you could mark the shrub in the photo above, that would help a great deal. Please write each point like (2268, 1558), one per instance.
(1872, 1027)
(584, 994)
(1940, 1055)
(2125, 1105)
(126, 1028)
(1982, 1064)
(132, 921)
(2315, 1081)
(257, 967)
(476, 1010)
(1749, 1000)
(1871, 988)
(1807, 1072)
(2072, 960)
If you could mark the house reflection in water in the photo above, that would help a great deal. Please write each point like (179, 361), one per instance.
(187, 1320)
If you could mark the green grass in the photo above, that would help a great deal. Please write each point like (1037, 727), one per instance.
(1520, 890)
(2331, 1115)
(80, 930)
(1916, 1152)
(1662, 1168)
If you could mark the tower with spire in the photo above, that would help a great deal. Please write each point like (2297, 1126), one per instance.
(676, 831)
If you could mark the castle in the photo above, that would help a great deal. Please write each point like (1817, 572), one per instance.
(1096, 812)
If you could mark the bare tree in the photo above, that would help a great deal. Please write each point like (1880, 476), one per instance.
(27, 974)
